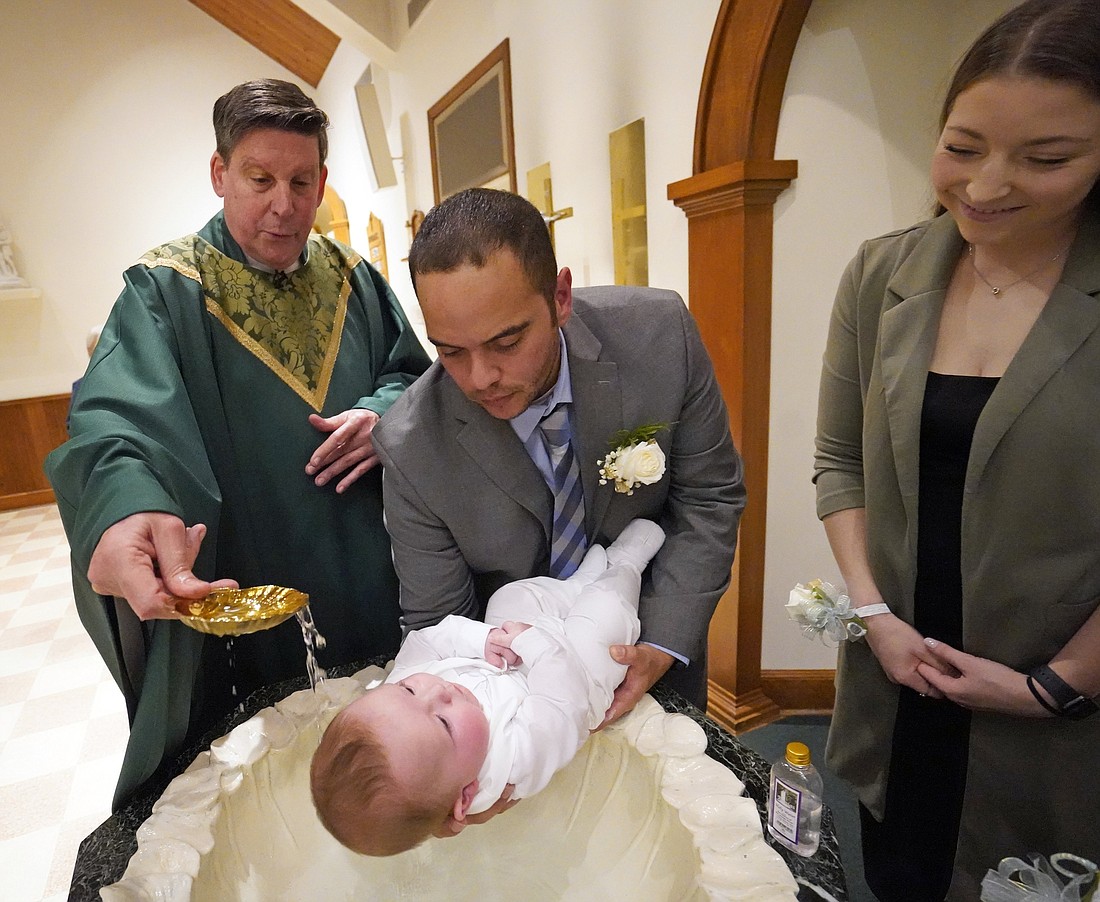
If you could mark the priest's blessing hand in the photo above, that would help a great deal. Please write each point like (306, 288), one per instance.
(147, 559)
(348, 449)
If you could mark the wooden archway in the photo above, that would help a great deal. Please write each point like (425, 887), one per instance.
(729, 203)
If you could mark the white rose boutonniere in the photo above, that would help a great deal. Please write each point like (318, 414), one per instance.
(634, 459)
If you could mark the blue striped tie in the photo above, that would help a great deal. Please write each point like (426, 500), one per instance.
(568, 542)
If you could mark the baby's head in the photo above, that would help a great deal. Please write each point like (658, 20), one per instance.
(394, 765)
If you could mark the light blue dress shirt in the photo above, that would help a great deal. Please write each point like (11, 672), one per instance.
(525, 425)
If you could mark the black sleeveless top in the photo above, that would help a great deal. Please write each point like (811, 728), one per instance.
(952, 405)
(931, 736)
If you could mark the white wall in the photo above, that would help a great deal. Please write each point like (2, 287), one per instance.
(106, 139)
(860, 115)
(106, 136)
(579, 70)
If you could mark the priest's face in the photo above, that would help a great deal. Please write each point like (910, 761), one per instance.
(271, 186)
(496, 336)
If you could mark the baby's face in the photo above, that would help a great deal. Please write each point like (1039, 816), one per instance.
(436, 730)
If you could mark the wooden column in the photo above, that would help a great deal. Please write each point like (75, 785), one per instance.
(729, 212)
(729, 203)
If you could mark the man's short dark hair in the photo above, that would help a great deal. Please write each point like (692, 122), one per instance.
(472, 225)
(267, 103)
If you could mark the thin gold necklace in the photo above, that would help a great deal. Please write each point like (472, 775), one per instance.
(998, 289)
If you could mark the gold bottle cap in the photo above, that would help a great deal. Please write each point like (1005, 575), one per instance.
(798, 754)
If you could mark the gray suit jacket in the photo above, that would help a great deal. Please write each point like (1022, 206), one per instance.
(1030, 528)
(468, 511)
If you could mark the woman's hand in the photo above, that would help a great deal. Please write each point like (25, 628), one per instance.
(901, 652)
(978, 683)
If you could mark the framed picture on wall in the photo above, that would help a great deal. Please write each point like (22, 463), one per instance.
(470, 130)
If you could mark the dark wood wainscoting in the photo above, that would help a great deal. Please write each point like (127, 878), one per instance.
(30, 428)
(800, 691)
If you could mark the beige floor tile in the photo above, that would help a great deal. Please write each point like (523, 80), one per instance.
(106, 736)
(60, 591)
(63, 724)
(30, 634)
(39, 611)
(58, 710)
(27, 757)
(20, 576)
(54, 577)
(25, 862)
(9, 716)
(68, 674)
(66, 648)
(13, 600)
(23, 659)
(35, 551)
(71, 626)
(108, 699)
(69, 838)
(35, 804)
(92, 789)
(16, 688)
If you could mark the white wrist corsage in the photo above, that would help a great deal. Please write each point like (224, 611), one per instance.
(824, 612)
(635, 459)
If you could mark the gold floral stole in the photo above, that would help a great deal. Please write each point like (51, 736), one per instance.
(292, 323)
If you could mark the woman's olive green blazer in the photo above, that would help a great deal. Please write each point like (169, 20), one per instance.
(1030, 529)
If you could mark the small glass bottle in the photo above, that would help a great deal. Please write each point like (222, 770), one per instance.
(794, 801)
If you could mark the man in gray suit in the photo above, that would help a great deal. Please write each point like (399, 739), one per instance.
(469, 479)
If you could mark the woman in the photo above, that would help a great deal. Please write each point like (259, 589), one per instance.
(958, 477)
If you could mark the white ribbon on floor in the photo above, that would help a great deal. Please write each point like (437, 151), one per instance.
(1015, 880)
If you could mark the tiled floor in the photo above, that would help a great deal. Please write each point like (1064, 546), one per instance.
(62, 719)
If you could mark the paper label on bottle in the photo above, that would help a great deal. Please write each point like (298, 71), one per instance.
(786, 806)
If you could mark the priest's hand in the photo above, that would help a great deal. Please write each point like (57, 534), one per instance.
(147, 559)
(348, 449)
(646, 665)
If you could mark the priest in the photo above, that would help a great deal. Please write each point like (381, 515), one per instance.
(222, 437)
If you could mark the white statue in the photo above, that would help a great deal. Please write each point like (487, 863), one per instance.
(9, 275)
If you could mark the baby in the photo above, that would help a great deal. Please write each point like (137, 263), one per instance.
(471, 707)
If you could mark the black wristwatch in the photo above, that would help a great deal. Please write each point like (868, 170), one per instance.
(1070, 702)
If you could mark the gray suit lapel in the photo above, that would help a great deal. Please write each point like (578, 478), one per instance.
(598, 414)
(496, 450)
(1070, 316)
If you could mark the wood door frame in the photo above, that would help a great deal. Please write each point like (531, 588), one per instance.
(729, 201)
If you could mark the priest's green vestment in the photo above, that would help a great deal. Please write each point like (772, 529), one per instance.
(195, 403)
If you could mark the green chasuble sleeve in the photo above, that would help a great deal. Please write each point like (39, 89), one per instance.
(195, 403)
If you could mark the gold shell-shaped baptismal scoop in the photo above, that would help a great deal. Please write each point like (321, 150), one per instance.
(234, 612)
